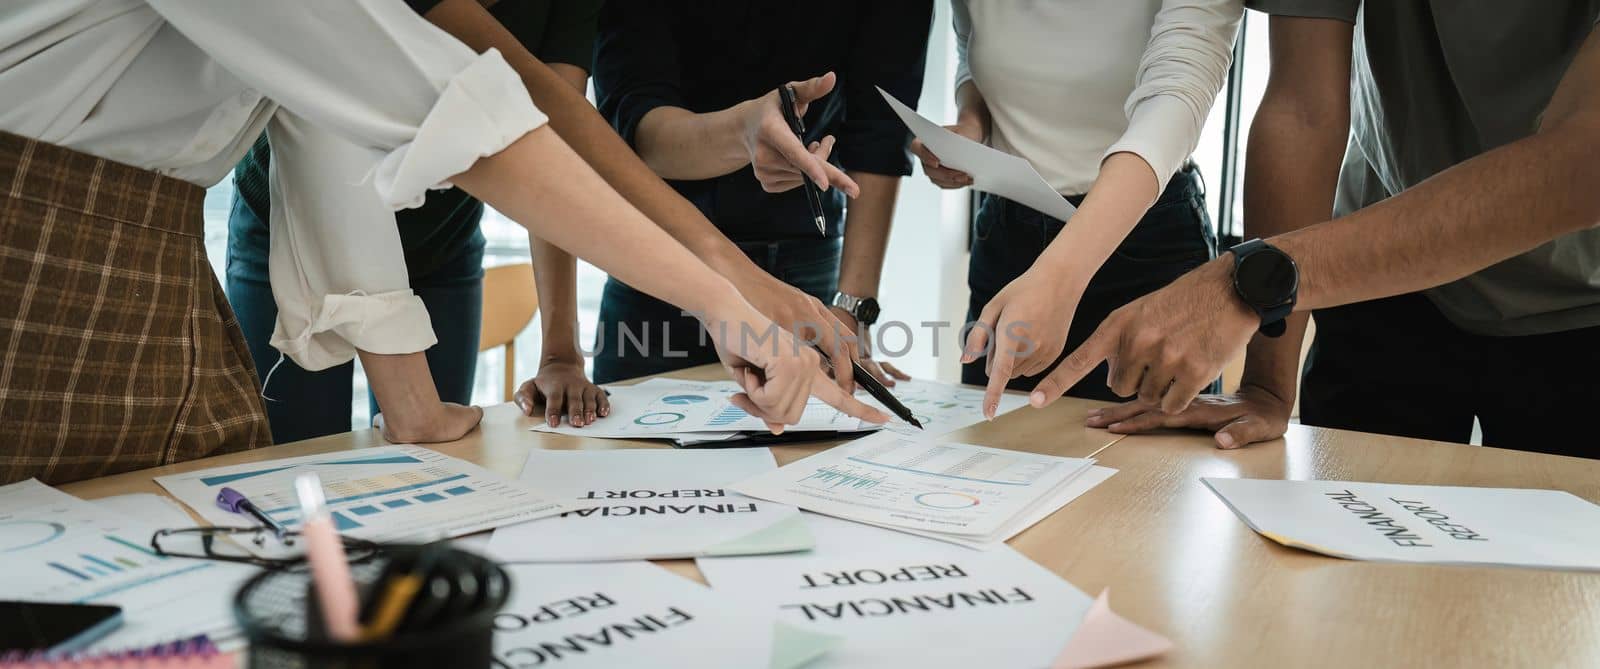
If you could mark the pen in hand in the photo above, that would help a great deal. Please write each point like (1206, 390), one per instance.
(786, 104)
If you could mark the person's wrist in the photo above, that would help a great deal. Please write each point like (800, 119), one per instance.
(973, 123)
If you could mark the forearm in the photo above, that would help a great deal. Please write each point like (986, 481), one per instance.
(539, 182)
(866, 234)
(583, 129)
(679, 144)
(1119, 198)
(555, 277)
(971, 109)
(1481, 211)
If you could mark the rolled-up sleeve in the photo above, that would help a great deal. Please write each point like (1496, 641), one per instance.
(337, 268)
(375, 74)
(961, 23)
(889, 49)
(635, 63)
(1184, 65)
(1341, 10)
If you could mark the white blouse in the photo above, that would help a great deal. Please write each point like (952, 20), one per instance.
(366, 103)
(1069, 82)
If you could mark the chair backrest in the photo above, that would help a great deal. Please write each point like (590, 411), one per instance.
(510, 300)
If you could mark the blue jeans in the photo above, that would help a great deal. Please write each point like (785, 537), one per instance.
(304, 405)
(1174, 237)
(640, 335)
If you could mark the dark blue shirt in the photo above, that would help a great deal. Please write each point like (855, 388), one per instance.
(708, 55)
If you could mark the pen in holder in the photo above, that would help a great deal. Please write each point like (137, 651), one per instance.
(421, 606)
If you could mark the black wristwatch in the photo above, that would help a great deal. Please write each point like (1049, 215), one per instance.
(1268, 282)
(865, 309)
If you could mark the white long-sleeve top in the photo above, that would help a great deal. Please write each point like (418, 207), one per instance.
(367, 105)
(1069, 82)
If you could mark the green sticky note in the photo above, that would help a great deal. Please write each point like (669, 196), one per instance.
(794, 647)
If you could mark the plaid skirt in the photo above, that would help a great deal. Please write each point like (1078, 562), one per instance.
(118, 350)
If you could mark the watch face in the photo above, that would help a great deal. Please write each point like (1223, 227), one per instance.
(868, 311)
(1267, 279)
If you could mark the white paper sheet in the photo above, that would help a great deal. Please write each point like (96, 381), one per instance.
(941, 407)
(635, 614)
(667, 408)
(391, 494)
(992, 170)
(649, 504)
(1516, 527)
(904, 601)
(58, 548)
(887, 479)
(1080, 484)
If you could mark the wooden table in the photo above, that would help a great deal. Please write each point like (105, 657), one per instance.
(1178, 561)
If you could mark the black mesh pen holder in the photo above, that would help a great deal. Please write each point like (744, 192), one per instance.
(278, 612)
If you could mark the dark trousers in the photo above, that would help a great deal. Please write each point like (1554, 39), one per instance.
(302, 404)
(1398, 366)
(1174, 237)
(640, 335)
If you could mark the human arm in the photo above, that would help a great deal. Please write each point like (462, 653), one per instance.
(583, 128)
(1442, 229)
(1296, 144)
(1183, 66)
(866, 237)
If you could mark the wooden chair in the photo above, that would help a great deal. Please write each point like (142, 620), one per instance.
(510, 300)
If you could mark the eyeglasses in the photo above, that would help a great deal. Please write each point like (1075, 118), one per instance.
(201, 543)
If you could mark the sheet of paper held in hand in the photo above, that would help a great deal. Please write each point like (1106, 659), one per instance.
(992, 170)
(649, 504)
(635, 614)
(391, 493)
(58, 548)
(972, 494)
(1516, 527)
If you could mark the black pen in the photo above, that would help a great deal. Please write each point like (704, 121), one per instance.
(866, 380)
(786, 101)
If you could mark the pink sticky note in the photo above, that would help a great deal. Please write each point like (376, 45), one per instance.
(1106, 639)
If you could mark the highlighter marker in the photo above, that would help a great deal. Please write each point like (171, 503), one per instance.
(330, 571)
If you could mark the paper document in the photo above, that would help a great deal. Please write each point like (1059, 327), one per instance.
(667, 408)
(905, 601)
(1516, 527)
(992, 170)
(388, 494)
(941, 407)
(886, 479)
(649, 504)
(635, 614)
(58, 548)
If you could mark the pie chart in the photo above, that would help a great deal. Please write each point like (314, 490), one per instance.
(684, 399)
(659, 418)
(946, 500)
(20, 534)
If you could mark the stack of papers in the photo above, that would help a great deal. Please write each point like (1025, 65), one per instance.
(635, 614)
(649, 504)
(697, 412)
(961, 493)
(386, 494)
(58, 548)
(1502, 527)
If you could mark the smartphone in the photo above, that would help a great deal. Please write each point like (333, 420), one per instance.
(53, 627)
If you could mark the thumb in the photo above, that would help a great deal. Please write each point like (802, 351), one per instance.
(812, 89)
(1074, 367)
(1243, 432)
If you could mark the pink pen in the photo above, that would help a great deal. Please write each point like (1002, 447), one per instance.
(330, 571)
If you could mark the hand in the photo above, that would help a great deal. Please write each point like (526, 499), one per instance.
(801, 314)
(446, 421)
(946, 177)
(1166, 346)
(1253, 414)
(777, 156)
(563, 389)
(1023, 329)
(884, 372)
(777, 372)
